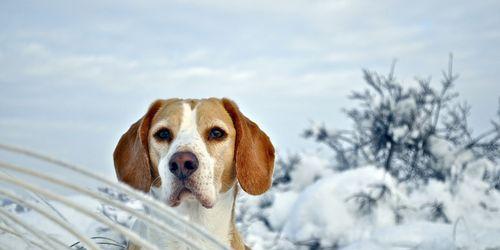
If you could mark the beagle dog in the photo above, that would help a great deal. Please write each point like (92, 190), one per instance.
(194, 155)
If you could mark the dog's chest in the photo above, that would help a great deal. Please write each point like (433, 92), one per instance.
(216, 220)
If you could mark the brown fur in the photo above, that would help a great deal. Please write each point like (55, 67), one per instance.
(254, 152)
(246, 155)
(222, 151)
(132, 164)
(169, 115)
(236, 239)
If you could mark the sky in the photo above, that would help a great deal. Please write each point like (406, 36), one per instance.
(75, 74)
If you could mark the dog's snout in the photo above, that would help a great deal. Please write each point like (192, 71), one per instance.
(183, 164)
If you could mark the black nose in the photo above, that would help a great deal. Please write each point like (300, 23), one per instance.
(183, 164)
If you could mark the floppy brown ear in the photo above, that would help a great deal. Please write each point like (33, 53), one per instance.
(131, 156)
(254, 152)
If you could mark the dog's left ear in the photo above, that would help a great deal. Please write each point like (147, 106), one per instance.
(254, 152)
(131, 156)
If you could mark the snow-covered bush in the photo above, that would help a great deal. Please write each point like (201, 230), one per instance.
(409, 174)
(415, 133)
(366, 208)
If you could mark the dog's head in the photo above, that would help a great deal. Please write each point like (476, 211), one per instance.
(194, 148)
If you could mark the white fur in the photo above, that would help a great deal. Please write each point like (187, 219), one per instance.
(217, 219)
(188, 139)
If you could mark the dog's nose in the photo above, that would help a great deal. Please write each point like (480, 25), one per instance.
(183, 164)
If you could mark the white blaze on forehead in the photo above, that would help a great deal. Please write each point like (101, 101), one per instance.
(188, 135)
(188, 121)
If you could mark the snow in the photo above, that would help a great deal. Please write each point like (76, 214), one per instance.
(324, 210)
(322, 207)
(442, 149)
(311, 168)
(38, 221)
(326, 213)
(429, 236)
(399, 132)
(405, 107)
(449, 156)
(283, 203)
(313, 214)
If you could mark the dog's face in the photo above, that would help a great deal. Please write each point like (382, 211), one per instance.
(194, 149)
(192, 146)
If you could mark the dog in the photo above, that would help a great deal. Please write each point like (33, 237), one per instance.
(194, 155)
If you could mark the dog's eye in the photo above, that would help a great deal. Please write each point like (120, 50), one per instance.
(163, 134)
(216, 134)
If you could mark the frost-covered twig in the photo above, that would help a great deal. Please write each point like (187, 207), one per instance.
(70, 228)
(164, 228)
(455, 226)
(50, 205)
(37, 233)
(158, 208)
(134, 237)
(21, 236)
(37, 196)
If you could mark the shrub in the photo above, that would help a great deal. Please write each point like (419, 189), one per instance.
(414, 133)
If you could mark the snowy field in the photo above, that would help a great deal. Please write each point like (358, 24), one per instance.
(319, 209)
(327, 209)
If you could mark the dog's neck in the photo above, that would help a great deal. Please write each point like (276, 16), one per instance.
(217, 220)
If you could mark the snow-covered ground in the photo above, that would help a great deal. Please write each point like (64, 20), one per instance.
(365, 208)
(320, 208)
(88, 226)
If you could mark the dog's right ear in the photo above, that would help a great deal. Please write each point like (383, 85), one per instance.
(131, 155)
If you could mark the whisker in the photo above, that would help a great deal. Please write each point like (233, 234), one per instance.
(157, 180)
(105, 238)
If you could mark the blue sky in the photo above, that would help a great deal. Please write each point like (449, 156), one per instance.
(75, 75)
